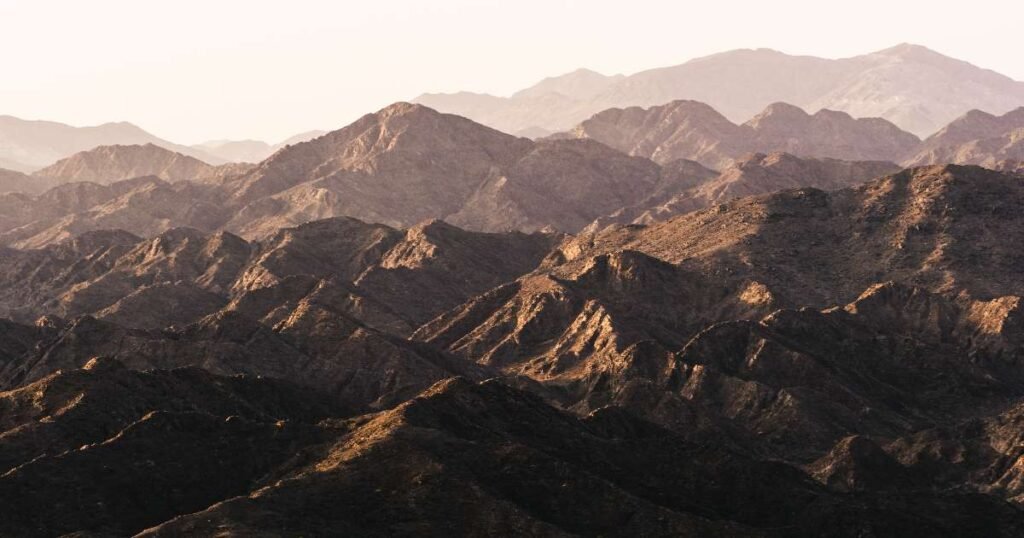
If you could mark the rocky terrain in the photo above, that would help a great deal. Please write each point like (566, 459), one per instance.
(385, 169)
(911, 86)
(109, 164)
(695, 131)
(418, 325)
(753, 174)
(17, 182)
(975, 138)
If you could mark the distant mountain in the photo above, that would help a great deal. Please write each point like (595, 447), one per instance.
(401, 166)
(301, 137)
(695, 131)
(251, 151)
(408, 163)
(145, 206)
(11, 181)
(243, 151)
(109, 164)
(917, 89)
(35, 144)
(750, 175)
(975, 138)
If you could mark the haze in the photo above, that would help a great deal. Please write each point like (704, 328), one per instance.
(193, 71)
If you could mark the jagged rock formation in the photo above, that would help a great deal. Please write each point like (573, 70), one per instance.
(145, 206)
(751, 175)
(975, 138)
(481, 444)
(400, 166)
(387, 168)
(692, 376)
(911, 86)
(927, 226)
(606, 324)
(185, 437)
(390, 279)
(693, 130)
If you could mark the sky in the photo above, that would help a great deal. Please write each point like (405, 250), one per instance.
(196, 70)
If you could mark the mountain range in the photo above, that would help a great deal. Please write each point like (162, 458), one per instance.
(387, 168)
(915, 88)
(695, 131)
(796, 363)
(27, 146)
(656, 321)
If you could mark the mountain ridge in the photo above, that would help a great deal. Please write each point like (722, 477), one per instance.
(726, 80)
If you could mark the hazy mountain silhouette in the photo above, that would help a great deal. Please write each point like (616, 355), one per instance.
(915, 88)
(35, 144)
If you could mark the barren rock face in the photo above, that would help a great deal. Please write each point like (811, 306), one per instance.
(792, 346)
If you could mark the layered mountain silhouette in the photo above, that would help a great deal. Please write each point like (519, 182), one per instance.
(975, 138)
(695, 131)
(109, 164)
(17, 182)
(251, 151)
(26, 146)
(755, 173)
(659, 323)
(916, 88)
(400, 166)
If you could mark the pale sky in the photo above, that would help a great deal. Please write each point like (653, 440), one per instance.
(193, 70)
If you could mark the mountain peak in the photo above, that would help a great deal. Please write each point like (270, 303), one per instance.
(910, 50)
(112, 163)
(403, 108)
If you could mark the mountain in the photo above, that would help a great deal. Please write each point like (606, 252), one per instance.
(144, 206)
(192, 428)
(975, 138)
(695, 131)
(109, 164)
(11, 181)
(392, 280)
(35, 144)
(913, 87)
(244, 151)
(789, 321)
(612, 306)
(796, 363)
(924, 226)
(751, 175)
(246, 455)
(407, 163)
(299, 138)
(251, 151)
